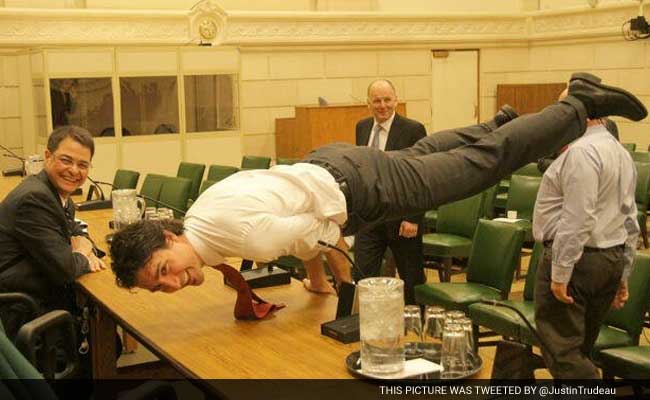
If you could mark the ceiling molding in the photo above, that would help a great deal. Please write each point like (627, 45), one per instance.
(209, 23)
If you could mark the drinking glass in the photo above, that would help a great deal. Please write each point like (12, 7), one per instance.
(149, 212)
(453, 353)
(434, 318)
(165, 213)
(466, 325)
(381, 323)
(455, 315)
(412, 331)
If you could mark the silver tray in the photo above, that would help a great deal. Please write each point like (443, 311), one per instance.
(432, 353)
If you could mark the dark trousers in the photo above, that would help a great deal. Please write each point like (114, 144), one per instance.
(445, 166)
(369, 249)
(571, 330)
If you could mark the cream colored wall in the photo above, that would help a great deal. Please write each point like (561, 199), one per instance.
(560, 4)
(625, 64)
(274, 82)
(11, 131)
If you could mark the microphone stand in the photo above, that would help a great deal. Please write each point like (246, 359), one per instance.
(346, 305)
(18, 171)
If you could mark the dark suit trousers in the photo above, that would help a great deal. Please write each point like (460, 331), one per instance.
(443, 167)
(570, 330)
(406, 251)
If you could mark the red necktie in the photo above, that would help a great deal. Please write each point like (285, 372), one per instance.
(245, 308)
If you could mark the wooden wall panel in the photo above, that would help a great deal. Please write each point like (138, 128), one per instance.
(528, 98)
(317, 126)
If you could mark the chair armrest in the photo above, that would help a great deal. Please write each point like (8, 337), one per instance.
(21, 298)
(44, 340)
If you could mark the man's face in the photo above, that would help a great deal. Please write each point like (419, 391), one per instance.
(381, 101)
(171, 268)
(67, 167)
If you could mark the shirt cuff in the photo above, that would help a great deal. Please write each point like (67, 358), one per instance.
(330, 235)
(561, 274)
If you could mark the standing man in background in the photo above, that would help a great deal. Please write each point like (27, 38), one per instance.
(586, 216)
(387, 130)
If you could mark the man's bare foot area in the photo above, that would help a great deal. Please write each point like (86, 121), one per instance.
(326, 288)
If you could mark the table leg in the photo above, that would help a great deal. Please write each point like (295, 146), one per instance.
(102, 345)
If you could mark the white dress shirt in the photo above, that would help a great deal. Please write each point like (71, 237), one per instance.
(383, 133)
(264, 214)
(586, 199)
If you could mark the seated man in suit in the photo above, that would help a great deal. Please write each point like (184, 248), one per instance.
(387, 130)
(42, 249)
(341, 189)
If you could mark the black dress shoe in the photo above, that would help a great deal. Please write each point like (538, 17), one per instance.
(505, 115)
(586, 76)
(601, 100)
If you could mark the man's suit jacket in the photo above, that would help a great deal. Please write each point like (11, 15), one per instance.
(404, 132)
(35, 252)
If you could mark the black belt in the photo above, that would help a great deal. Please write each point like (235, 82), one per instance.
(549, 243)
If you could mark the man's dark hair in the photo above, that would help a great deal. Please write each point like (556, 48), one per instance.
(76, 133)
(133, 246)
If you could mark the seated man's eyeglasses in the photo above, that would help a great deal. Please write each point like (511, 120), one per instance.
(69, 162)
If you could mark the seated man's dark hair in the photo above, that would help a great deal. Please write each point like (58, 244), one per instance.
(76, 133)
(133, 246)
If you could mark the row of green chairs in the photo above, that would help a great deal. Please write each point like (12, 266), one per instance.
(160, 190)
(217, 173)
(621, 328)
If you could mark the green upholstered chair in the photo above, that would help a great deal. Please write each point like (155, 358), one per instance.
(641, 156)
(623, 327)
(641, 197)
(528, 170)
(219, 172)
(503, 320)
(175, 192)
(490, 269)
(453, 237)
(522, 195)
(125, 179)
(630, 362)
(20, 379)
(430, 220)
(193, 172)
(489, 199)
(206, 184)
(286, 161)
(620, 328)
(255, 162)
(504, 186)
(631, 147)
(151, 188)
(47, 341)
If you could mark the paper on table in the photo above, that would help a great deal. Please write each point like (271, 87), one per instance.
(416, 366)
(509, 220)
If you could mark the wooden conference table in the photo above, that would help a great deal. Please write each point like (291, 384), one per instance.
(194, 329)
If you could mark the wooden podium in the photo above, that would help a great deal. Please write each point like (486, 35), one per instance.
(315, 126)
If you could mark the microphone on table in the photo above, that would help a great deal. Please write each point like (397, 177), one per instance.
(19, 171)
(345, 328)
